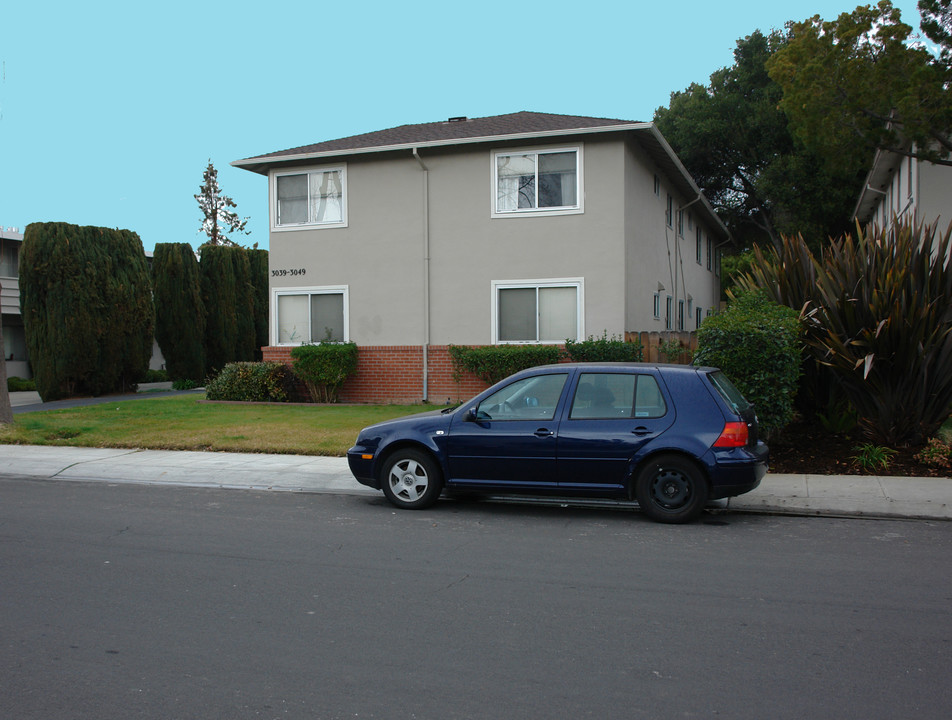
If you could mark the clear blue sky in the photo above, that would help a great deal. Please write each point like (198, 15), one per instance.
(110, 111)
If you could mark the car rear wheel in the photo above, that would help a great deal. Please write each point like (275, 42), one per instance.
(411, 479)
(671, 489)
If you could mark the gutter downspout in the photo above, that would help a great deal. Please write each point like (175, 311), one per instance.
(426, 274)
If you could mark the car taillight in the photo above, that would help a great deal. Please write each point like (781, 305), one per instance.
(733, 435)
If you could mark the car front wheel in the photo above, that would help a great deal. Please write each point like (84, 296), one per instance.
(671, 489)
(411, 479)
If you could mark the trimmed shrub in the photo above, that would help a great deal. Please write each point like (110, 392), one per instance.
(492, 363)
(756, 343)
(324, 368)
(86, 299)
(604, 349)
(155, 376)
(251, 382)
(179, 310)
(18, 384)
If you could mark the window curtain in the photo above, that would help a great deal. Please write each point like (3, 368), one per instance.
(325, 197)
(293, 322)
(515, 188)
(558, 314)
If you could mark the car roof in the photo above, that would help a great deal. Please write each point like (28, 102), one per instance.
(661, 367)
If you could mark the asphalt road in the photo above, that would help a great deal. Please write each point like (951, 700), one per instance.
(163, 602)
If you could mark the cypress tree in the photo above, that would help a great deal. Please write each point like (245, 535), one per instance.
(87, 308)
(259, 281)
(179, 311)
(244, 305)
(219, 296)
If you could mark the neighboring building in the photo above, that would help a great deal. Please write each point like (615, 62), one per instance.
(520, 228)
(14, 339)
(901, 186)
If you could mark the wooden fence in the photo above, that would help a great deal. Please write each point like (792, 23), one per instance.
(665, 347)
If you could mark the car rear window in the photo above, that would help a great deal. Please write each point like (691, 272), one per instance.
(725, 388)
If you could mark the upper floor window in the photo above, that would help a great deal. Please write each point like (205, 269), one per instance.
(309, 198)
(669, 212)
(537, 181)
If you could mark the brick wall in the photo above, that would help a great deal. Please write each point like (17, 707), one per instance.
(394, 374)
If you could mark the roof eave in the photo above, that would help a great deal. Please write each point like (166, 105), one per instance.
(262, 163)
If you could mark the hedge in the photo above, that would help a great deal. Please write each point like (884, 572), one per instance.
(492, 363)
(757, 343)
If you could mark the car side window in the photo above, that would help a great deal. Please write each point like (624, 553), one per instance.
(532, 398)
(605, 396)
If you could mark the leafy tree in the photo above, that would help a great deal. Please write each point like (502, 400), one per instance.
(179, 310)
(218, 218)
(736, 143)
(936, 25)
(858, 83)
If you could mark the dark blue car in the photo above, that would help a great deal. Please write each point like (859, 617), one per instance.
(670, 436)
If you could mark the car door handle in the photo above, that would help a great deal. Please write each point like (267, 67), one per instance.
(543, 432)
(641, 431)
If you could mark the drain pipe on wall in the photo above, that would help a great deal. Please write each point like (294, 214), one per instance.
(426, 274)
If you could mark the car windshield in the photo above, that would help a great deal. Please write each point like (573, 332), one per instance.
(725, 388)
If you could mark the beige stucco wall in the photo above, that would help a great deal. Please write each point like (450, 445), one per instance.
(935, 194)
(618, 245)
(656, 256)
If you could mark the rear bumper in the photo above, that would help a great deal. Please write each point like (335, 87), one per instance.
(738, 471)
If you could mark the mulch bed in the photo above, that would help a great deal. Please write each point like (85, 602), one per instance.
(805, 449)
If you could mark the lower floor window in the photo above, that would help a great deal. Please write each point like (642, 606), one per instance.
(308, 316)
(537, 312)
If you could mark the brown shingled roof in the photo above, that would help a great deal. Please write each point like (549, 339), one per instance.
(446, 131)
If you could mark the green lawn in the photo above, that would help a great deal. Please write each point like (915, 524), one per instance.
(184, 423)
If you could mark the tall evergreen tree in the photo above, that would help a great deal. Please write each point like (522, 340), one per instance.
(244, 305)
(217, 216)
(259, 282)
(179, 310)
(219, 296)
(6, 410)
(86, 300)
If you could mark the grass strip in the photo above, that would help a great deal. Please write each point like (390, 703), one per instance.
(184, 423)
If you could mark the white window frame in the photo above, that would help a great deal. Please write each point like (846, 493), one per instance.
(320, 290)
(656, 306)
(273, 176)
(497, 285)
(576, 209)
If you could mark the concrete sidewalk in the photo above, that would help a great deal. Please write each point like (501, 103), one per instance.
(855, 496)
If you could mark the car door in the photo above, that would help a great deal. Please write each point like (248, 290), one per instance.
(508, 440)
(611, 415)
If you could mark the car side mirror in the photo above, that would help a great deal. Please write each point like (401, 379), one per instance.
(471, 415)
